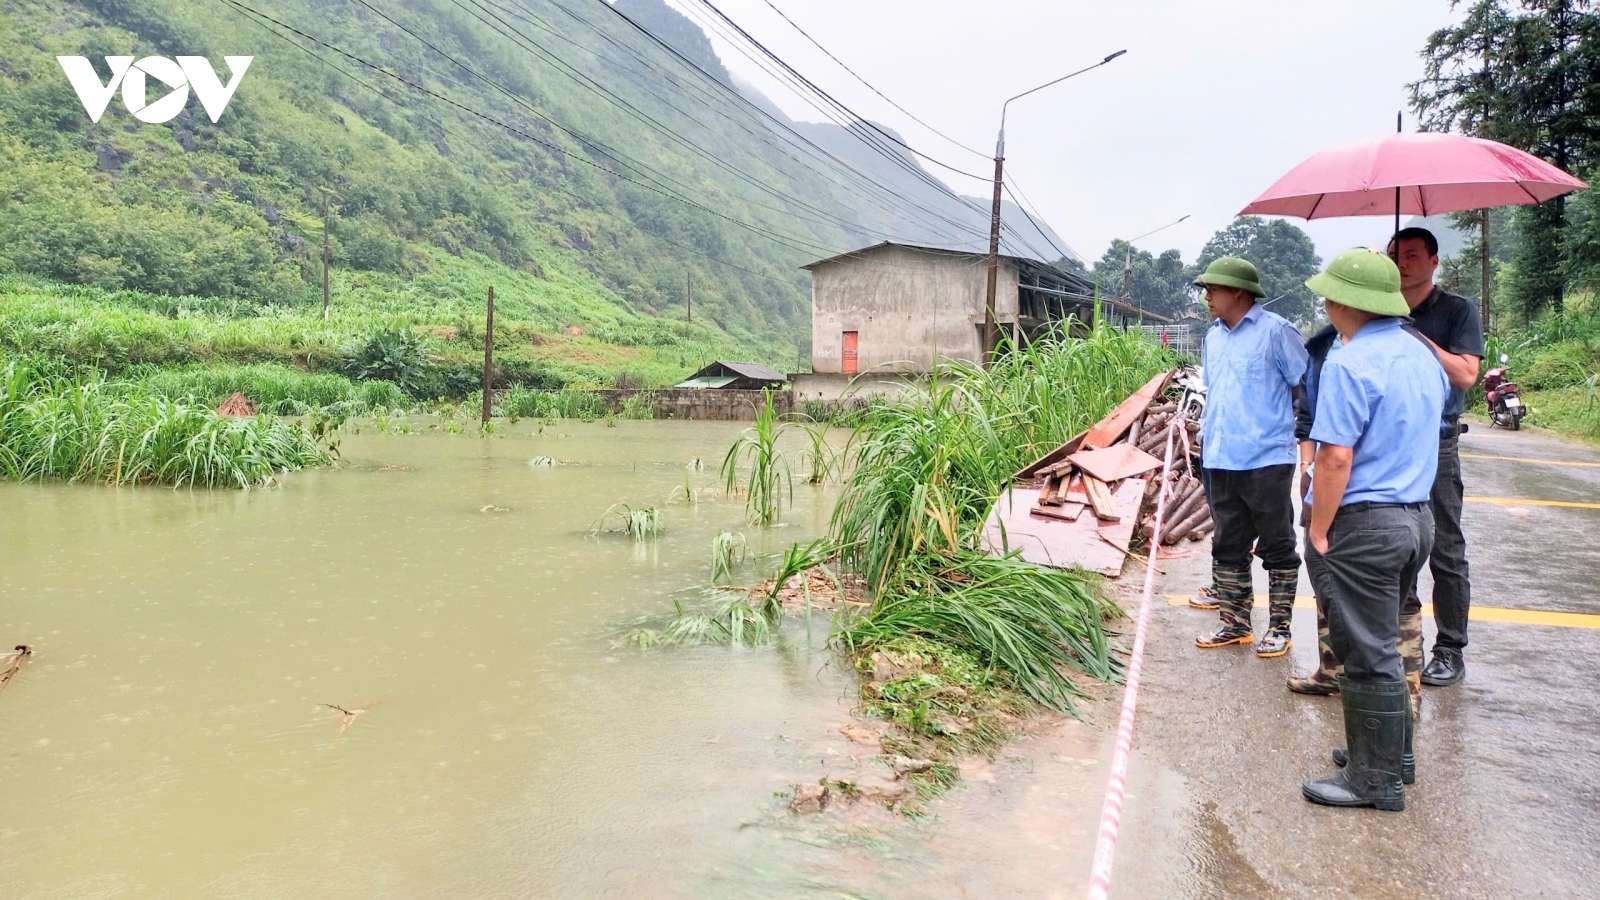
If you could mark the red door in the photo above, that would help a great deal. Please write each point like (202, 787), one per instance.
(849, 367)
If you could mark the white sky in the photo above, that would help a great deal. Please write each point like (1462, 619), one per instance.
(1212, 103)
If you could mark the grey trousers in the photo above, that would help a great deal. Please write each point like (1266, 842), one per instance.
(1452, 592)
(1374, 554)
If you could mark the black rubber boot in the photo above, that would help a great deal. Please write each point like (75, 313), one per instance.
(1408, 760)
(1375, 716)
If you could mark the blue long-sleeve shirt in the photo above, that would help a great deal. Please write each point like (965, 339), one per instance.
(1251, 371)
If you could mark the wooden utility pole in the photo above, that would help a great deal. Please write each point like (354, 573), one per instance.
(688, 290)
(488, 359)
(990, 326)
(1484, 285)
(325, 258)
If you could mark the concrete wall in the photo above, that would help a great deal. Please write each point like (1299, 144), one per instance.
(833, 387)
(716, 404)
(910, 308)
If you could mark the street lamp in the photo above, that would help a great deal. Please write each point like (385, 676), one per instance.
(990, 338)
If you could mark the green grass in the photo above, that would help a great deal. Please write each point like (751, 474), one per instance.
(1010, 616)
(641, 524)
(1555, 360)
(728, 549)
(114, 433)
(129, 334)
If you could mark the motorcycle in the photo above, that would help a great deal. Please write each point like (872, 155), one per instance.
(1505, 403)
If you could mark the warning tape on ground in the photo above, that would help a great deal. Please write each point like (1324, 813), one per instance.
(1105, 847)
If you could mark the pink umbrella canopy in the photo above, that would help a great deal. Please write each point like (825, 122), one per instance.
(1434, 172)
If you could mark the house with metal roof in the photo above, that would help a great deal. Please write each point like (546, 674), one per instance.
(735, 376)
(901, 309)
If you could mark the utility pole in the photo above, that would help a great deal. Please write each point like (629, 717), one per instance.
(990, 325)
(1484, 286)
(688, 292)
(488, 358)
(324, 257)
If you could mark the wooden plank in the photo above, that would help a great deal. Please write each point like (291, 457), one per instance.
(1106, 431)
(1115, 463)
(1105, 509)
(1127, 497)
(1049, 491)
(1031, 470)
(1067, 512)
(1048, 541)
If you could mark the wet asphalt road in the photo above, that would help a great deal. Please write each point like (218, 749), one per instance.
(1507, 799)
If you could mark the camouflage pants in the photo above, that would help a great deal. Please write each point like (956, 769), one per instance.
(1236, 595)
(1329, 667)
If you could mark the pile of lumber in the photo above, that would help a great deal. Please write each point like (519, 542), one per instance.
(1187, 514)
(1086, 502)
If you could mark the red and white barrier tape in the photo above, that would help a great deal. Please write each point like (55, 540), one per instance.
(1105, 848)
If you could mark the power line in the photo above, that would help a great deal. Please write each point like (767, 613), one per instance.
(868, 84)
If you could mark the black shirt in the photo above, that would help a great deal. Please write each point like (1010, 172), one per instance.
(1451, 321)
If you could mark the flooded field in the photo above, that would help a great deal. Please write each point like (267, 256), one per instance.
(175, 733)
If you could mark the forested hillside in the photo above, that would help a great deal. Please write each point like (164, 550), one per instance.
(595, 163)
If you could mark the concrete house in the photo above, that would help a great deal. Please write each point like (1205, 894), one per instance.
(892, 311)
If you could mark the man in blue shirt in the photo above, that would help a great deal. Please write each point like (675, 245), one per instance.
(1379, 403)
(1253, 360)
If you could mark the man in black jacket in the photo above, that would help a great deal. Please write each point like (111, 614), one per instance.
(1451, 324)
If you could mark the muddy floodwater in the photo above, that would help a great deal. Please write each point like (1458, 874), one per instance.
(170, 737)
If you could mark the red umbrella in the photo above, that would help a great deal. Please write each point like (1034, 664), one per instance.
(1422, 173)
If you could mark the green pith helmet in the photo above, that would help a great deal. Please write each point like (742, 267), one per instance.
(1231, 271)
(1363, 279)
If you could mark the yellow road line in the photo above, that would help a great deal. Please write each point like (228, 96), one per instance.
(1541, 462)
(1478, 613)
(1520, 501)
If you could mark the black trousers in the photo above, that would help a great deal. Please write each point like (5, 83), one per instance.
(1374, 554)
(1252, 506)
(1452, 592)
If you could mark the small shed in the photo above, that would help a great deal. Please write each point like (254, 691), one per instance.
(736, 376)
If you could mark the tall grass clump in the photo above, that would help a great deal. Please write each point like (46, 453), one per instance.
(120, 433)
(1009, 615)
(567, 403)
(771, 480)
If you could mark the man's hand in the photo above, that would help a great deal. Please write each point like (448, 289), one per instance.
(1307, 452)
(1319, 540)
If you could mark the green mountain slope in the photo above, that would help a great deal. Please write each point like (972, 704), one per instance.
(552, 148)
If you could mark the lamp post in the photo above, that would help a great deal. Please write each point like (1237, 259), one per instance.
(990, 338)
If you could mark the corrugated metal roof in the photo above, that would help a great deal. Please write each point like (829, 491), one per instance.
(708, 381)
(754, 370)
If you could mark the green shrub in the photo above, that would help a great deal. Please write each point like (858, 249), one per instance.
(396, 356)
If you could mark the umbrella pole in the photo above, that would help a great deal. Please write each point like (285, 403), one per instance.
(1398, 128)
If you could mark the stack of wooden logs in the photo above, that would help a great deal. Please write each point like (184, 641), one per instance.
(1187, 514)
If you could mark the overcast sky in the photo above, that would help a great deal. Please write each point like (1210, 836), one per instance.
(1212, 103)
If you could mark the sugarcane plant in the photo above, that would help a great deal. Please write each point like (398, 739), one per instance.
(771, 481)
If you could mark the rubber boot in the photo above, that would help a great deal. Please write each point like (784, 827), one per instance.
(1375, 718)
(1280, 612)
(1234, 598)
(1324, 682)
(1408, 760)
(1410, 647)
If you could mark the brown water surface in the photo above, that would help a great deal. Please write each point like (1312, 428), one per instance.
(170, 737)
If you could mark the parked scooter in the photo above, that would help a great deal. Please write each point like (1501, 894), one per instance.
(1505, 403)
